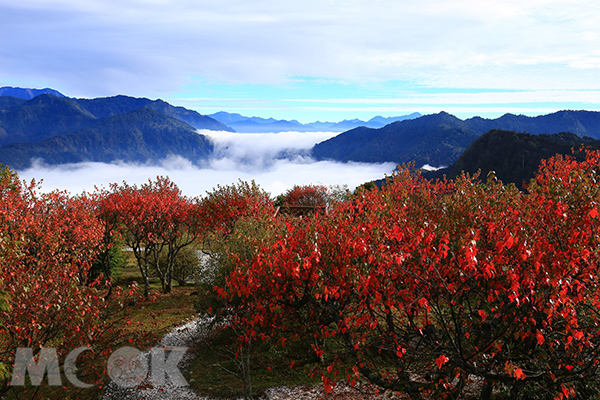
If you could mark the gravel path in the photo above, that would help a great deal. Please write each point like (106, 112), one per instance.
(182, 336)
(186, 336)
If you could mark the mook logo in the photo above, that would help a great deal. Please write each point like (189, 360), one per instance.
(127, 367)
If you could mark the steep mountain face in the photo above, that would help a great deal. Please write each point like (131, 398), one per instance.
(41, 118)
(142, 135)
(437, 139)
(46, 115)
(514, 157)
(65, 130)
(8, 102)
(103, 107)
(27, 94)
(440, 139)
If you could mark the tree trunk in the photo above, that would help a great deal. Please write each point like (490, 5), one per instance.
(169, 285)
(144, 271)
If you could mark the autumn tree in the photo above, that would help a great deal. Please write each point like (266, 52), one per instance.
(237, 220)
(47, 244)
(304, 199)
(233, 221)
(221, 207)
(434, 287)
(306, 195)
(225, 215)
(154, 217)
(101, 204)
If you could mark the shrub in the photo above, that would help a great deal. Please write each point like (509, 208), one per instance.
(432, 287)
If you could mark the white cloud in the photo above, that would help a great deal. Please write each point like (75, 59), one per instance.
(260, 151)
(76, 178)
(241, 156)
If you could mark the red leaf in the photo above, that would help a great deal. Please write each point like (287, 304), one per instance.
(509, 241)
(327, 384)
(482, 314)
(441, 360)
(519, 374)
(539, 337)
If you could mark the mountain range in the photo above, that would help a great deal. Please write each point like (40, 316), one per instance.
(244, 124)
(48, 115)
(142, 135)
(58, 129)
(440, 139)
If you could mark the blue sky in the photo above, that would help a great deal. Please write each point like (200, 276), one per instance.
(312, 60)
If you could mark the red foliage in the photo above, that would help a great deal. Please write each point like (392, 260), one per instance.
(306, 196)
(428, 285)
(47, 244)
(152, 217)
(222, 207)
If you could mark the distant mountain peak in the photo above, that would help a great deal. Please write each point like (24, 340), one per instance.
(27, 93)
(256, 124)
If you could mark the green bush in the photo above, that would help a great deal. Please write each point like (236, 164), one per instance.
(107, 263)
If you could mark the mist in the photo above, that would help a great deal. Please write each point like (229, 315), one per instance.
(276, 161)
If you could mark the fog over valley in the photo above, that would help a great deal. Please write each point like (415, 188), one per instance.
(276, 161)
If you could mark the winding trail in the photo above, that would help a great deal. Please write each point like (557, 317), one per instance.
(182, 336)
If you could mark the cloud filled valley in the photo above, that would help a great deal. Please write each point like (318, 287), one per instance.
(275, 161)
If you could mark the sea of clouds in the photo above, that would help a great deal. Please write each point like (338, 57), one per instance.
(276, 161)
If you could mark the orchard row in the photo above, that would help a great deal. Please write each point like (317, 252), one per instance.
(55, 254)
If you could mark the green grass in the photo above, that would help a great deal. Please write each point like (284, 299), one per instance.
(162, 312)
(131, 272)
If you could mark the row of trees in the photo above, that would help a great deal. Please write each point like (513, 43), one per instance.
(156, 221)
(435, 289)
(426, 288)
(57, 254)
